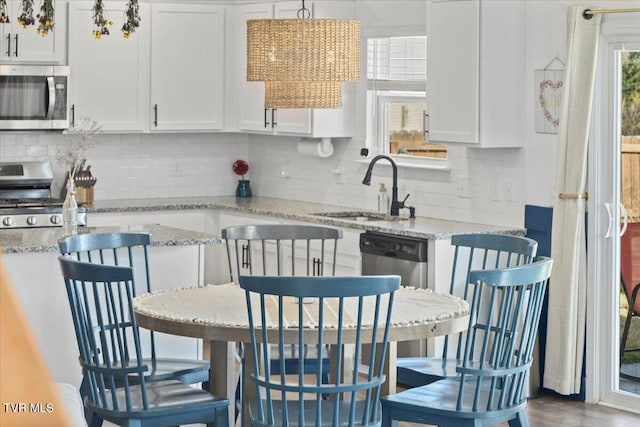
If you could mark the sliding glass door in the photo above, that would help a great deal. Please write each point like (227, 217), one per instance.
(614, 215)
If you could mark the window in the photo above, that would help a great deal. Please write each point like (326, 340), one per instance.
(396, 78)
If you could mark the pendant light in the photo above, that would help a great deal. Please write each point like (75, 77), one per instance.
(303, 61)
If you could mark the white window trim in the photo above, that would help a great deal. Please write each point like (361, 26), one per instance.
(372, 141)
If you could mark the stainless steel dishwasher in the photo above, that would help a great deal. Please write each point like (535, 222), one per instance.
(384, 253)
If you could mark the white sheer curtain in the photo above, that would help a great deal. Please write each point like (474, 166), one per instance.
(567, 287)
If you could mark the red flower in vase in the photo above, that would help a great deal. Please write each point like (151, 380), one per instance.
(240, 167)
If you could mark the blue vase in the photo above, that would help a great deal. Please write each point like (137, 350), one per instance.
(243, 189)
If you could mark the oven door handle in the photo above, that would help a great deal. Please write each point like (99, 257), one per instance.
(51, 85)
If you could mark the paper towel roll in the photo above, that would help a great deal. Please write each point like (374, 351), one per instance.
(322, 148)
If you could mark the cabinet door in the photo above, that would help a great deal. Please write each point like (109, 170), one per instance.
(108, 75)
(187, 59)
(453, 34)
(292, 120)
(252, 116)
(25, 45)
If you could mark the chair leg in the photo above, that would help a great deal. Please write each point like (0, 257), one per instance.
(520, 420)
(625, 334)
(95, 421)
(387, 420)
(222, 417)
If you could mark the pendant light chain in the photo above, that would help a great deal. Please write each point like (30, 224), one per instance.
(302, 11)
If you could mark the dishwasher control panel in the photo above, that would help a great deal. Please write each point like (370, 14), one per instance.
(393, 246)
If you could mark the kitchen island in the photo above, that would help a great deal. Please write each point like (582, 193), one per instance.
(30, 256)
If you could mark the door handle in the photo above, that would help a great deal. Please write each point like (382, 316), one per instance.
(625, 221)
(9, 45)
(607, 206)
(51, 85)
(16, 41)
(73, 115)
(266, 122)
(273, 118)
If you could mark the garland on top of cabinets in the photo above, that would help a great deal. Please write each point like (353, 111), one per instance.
(46, 20)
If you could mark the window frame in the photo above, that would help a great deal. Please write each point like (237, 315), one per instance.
(379, 93)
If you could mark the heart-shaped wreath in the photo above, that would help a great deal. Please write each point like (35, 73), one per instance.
(548, 84)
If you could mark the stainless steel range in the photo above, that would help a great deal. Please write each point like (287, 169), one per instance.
(25, 197)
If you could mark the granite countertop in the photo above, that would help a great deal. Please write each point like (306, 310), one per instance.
(22, 240)
(421, 227)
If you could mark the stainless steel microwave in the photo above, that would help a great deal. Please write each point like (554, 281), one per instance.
(34, 97)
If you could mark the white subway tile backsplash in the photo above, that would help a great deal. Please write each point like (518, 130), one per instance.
(175, 165)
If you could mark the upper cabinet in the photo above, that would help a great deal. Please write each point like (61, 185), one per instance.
(168, 76)
(251, 115)
(109, 75)
(475, 72)
(25, 45)
(187, 67)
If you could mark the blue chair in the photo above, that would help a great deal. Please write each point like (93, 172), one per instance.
(284, 250)
(338, 307)
(130, 249)
(471, 252)
(100, 298)
(498, 351)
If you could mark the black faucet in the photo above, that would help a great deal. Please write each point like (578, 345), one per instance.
(396, 205)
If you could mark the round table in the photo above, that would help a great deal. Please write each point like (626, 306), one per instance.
(218, 314)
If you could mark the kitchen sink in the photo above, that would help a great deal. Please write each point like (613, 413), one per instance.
(360, 216)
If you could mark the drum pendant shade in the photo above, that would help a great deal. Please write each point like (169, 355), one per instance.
(303, 95)
(303, 61)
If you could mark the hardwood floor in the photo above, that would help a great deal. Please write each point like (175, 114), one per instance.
(555, 411)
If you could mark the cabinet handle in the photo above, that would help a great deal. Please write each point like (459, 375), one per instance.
(16, 51)
(155, 115)
(317, 266)
(273, 118)
(73, 115)
(425, 123)
(245, 256)
(9, 45)
(266, 123)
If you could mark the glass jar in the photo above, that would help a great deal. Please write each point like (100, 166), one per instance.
(70, 210)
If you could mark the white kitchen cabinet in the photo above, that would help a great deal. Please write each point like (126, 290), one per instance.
(109, 76)
(25, 45)
(187, 67)
(475, 71)
(252, 116)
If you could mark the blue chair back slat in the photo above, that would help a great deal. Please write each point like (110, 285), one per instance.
(510, 319)
(480, 252)
(349, 398)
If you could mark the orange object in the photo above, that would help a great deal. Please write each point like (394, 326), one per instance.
(28, 395)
